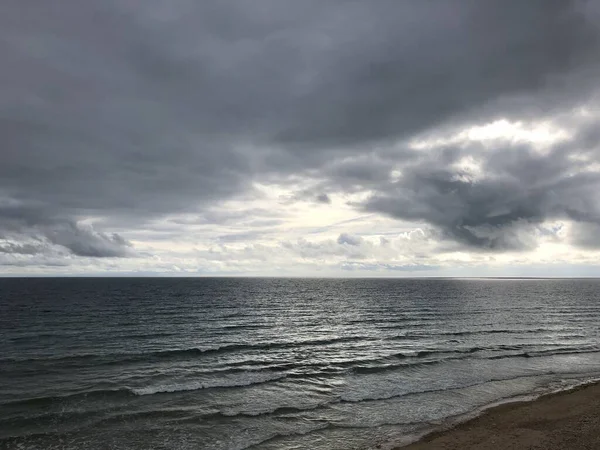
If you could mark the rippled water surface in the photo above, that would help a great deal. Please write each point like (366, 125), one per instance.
(277, 363)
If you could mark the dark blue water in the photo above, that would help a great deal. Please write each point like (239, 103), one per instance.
(277, 363)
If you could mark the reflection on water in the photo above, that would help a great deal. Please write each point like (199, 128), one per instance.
(277, 363)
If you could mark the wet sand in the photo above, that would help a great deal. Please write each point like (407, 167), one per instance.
(567, 420)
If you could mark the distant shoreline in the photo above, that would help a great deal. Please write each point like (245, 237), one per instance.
(556, 421)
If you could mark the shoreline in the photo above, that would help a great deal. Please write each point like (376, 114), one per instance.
(558, 420)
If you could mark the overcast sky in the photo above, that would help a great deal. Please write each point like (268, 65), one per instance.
(293, 138)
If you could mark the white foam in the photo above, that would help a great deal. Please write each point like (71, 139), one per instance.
(247, 380)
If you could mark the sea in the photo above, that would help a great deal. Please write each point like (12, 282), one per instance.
(269, 363)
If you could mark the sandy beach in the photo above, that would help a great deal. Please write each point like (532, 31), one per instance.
(567, 420)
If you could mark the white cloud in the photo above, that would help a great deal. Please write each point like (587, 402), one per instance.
(540, 134)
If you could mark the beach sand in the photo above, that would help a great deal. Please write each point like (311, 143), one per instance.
(567, 420)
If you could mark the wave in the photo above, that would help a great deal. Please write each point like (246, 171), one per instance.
(242, 326)
(453, 355)
(131, 392)
(162, 416)
(117, 358)
(199, 385)
(394, 361)
(317, 425)
(497, 331)
(78, 396)
(282, 411)
(550, 352)
(404, 365)
(449, 388)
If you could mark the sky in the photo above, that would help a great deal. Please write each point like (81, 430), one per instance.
(300, 138)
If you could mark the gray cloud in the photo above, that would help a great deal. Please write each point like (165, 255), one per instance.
(353, 266)
(323, 198)
(38, 262)
(348, 239)
(586, 235)
(30, 234)
(128, 111)
(83, 240)
(21, 248)
(517, 186)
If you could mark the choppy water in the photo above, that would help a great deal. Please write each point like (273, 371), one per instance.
(277, 363)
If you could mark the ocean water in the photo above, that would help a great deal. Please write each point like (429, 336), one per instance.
(278, 363)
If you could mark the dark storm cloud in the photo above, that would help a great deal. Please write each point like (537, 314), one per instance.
(77, 239)
(518, 186)
(128, 110)
(48, 230)
(85, 241)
